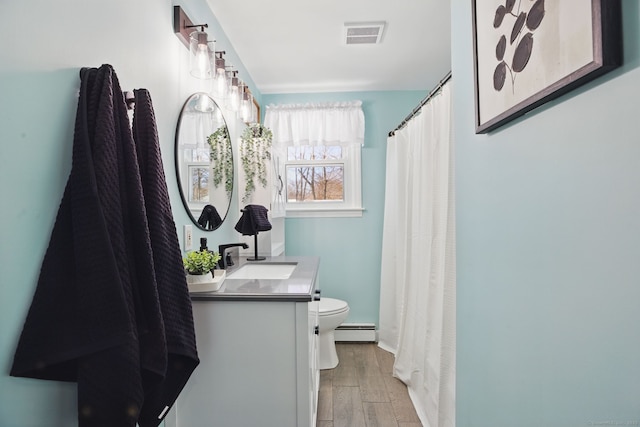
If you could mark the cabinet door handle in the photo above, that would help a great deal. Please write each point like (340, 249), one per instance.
(316, 296)
(316, 330)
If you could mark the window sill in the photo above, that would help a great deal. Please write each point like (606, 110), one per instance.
(325, 213)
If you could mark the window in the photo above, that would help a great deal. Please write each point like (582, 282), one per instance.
(198, 183)
(315, 173)
(318, 147)
(196, 171)
(323, 180)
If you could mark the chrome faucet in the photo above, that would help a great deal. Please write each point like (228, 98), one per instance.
(224, 262)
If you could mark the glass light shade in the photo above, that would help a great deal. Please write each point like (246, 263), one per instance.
(220, 82)
(204, 103)
(202, 57)
(233, 94)
(246, 107)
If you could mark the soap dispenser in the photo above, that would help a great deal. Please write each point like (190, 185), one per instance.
(203, 244)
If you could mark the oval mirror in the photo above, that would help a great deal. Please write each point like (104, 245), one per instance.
(204, 161)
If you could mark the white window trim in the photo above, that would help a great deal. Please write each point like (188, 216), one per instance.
(193, 205)
(351, 207)
(325, 213)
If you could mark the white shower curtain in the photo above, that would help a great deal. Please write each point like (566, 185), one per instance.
(417, 295)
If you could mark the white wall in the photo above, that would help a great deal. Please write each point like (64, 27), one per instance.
(43, 46)
(548, 223)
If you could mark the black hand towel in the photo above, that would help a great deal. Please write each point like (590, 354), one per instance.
(254, 219)
(209, 218)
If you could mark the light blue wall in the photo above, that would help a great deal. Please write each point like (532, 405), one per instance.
(548, 250)
(43, 46)
(350, 248)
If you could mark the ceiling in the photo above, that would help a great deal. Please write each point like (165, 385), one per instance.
(291, 46)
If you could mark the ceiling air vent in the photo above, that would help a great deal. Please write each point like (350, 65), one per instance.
(363, 32)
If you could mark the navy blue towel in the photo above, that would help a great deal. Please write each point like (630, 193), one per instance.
(254, 219)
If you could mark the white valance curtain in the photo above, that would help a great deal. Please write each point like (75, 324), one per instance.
(417, 291)
(337, 123)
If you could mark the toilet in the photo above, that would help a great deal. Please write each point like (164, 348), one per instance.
(332, 312)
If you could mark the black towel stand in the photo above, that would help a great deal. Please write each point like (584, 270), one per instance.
(251, 229)
(255, 248)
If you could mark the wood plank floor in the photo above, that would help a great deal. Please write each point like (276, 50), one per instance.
(361, 392)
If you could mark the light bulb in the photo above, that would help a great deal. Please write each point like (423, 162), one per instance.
(202, 59)
(220, 83)
(233, 98)
(233, 94)
(245, 108)
(200, 50)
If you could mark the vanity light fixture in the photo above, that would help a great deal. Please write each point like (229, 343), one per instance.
(234, 92)
(201, 57)
(241, 90)
(200, 48)
(220, 76)
(246, 105)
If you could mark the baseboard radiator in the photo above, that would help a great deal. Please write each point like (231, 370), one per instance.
(356, 332)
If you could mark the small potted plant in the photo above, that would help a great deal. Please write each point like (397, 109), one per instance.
(199, 266)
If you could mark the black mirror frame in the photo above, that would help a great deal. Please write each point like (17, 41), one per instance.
(176, 157)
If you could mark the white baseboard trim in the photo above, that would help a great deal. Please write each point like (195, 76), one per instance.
(356, 332)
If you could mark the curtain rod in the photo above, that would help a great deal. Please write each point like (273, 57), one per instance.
(426, 99)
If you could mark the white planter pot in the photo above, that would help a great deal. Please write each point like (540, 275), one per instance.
(206, 282)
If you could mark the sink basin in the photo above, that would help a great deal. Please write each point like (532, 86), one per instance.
(273, 271)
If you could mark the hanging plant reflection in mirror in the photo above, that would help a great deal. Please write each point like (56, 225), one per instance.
(255, 151)
(221, 159)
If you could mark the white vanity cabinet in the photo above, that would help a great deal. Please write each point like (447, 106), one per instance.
(258, 364)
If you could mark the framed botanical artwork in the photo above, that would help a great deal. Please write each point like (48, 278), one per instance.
(527, 52)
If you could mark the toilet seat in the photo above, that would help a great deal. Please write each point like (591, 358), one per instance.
(331, 306)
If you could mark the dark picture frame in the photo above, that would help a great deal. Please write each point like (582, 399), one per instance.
(528, 52)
